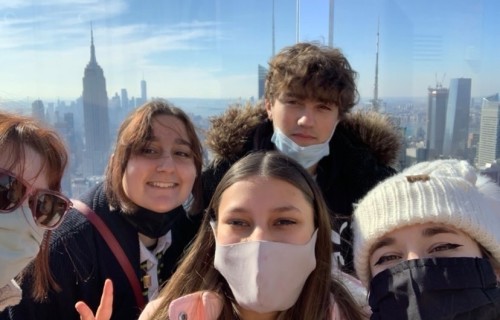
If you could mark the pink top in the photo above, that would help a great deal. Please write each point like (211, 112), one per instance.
(204, 305)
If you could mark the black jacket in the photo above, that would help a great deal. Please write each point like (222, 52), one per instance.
(362, 150)
(80, 261)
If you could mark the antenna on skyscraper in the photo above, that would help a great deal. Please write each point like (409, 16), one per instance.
(376, 101)
(439, 84)
(297, 21)
(92, 48)
(273, 31)
(330, 25)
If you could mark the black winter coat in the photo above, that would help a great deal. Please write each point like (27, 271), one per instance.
(80, 261)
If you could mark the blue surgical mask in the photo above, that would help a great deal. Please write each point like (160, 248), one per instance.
(307, 156)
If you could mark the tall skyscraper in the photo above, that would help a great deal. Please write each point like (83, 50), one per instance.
(436, 118)
(489, 132)
(96, 118)
(38, 110)
(457, 118)
(124, 100)
(262, 72)
(144, 93)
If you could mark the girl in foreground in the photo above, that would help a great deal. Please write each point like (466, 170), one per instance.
(262, 252)
(427, 244)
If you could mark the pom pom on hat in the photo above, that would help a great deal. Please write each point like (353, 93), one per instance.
(440, 191)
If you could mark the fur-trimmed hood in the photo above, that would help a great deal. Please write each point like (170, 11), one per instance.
(230, 131)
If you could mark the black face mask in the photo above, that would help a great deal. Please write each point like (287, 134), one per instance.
(437, 288)
(154, 224)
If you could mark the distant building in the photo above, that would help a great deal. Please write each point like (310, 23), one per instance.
(144, 91)
(489, 134)
(96, 118)
(415, 155)
(436, 118)
(262, 81)
(124, 100)
(493, 171)
(457, 118)
(38, 110)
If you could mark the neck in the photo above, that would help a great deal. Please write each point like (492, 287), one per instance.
(252, 315)
(312, 170)
(147, 241)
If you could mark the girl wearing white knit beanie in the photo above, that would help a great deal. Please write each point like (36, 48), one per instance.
(427, 244)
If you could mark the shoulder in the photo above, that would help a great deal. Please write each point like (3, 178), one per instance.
(337, 314)
(229, 132)
(75, 224)
(371, 132)
(201, 305)
(10, 295)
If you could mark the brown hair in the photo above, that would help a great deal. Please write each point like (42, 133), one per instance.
(133, 134)
(312, 71)
(197, 271)
(495, 264)
(16, 133)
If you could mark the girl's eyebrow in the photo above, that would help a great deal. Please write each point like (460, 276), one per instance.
(427, 232)
(183, 142)
(387, 241)
(180, 141)
(432, 231)
(243, 210)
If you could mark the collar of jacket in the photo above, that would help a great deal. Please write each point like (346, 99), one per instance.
(232, 132)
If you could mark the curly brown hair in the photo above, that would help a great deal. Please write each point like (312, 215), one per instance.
(313, 71)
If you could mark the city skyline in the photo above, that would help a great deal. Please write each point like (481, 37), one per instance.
(197, 51)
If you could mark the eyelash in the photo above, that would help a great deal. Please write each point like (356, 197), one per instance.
(437, 248)
(445, 246)
(279, 223)
(385, 259)
(148, 151)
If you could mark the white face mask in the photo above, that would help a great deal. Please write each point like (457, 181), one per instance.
(266, 276)
(20, 240)
(306, 156)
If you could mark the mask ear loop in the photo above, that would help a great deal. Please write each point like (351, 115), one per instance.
(210, 212)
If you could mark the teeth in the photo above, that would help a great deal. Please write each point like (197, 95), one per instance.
(162, 184)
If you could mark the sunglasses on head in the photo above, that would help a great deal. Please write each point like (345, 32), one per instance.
(47, 207)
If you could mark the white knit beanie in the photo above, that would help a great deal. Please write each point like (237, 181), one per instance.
(442, 191)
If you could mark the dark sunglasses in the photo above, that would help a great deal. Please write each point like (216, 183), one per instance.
(47, 207)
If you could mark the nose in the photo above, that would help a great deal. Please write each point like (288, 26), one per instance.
(165, 163)
(412, 255)
(306, 118)
(258, 234)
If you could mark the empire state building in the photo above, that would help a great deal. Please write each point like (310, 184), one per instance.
(96, 118)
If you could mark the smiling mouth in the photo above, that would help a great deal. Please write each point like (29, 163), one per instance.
(163, 185)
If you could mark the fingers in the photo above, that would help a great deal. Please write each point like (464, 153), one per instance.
(84, 311)
(106, 306)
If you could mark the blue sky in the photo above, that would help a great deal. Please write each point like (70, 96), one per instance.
(211, 48)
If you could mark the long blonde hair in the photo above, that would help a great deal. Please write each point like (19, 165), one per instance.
(197, 272)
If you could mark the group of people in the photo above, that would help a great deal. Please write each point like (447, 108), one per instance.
(299, 202)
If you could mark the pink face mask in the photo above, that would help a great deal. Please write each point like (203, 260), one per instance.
(266, 276)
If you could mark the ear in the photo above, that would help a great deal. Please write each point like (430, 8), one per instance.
(269, 107)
